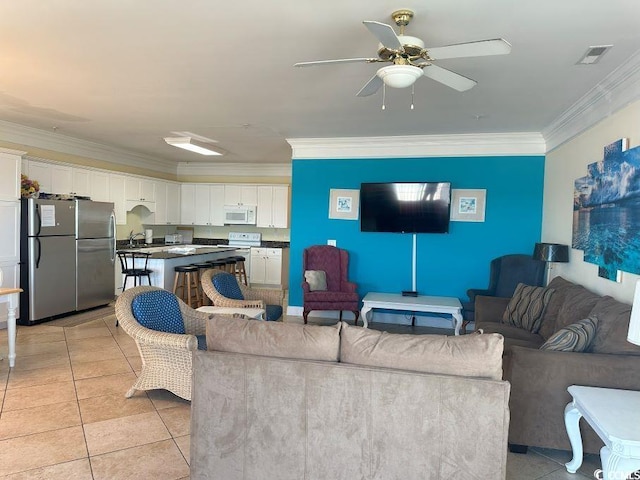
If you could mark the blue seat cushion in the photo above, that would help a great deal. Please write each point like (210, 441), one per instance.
(273, 312)
(202, 342)
(158, 310)
(227, 286)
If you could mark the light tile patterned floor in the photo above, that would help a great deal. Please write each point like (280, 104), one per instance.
(64, 414)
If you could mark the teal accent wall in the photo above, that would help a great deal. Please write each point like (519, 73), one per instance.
(447, 264)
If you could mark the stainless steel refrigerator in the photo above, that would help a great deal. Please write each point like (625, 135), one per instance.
(48, 259)
(67, 257)
(95, 253)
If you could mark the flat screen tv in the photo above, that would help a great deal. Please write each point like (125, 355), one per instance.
(405, 207)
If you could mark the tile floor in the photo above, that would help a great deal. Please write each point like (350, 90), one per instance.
(64, 414)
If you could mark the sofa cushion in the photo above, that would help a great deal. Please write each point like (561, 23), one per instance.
(560, 287)
(613, 326)
(317, 280)
(514, 335)
(274, 339)
(465, 355)
(573, 338)
(526, 307)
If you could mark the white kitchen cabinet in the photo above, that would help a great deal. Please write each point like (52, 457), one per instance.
(161, 204)
(116, 195)
(240, 194)
(61, 180)
(41, 172)
(140, 189)
(99, 186)
(273, 206)
(10, 238)
(10, 168)
(173, 203)
(81, 182)
(268, 266)
(188, 204)
(209, 203)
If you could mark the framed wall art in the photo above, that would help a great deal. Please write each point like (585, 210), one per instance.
(344, 204)
(468, 205)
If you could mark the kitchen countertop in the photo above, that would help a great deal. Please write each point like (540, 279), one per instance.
(166, 255)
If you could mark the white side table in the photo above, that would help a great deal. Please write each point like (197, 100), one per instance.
(257, 313)
(11, 296)
(615, 417)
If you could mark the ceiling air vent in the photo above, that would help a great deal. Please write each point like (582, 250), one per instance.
(594, 54)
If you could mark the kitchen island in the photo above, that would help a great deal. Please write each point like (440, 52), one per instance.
(163, 260)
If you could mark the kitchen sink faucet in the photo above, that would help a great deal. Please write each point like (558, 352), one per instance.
(133, 236)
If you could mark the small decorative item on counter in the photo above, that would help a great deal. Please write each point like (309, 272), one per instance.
(29, 188)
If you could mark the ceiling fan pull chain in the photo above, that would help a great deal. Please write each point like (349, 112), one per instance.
(384, 94)
(413, 91)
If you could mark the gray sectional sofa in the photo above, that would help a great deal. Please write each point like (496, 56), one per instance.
(539, 378)
(287, 401)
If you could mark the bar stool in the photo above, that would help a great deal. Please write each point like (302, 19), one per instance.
(241, 272)
(186, 280)
(202, 266)
(218, 264)
(134, 265)
(230, 265)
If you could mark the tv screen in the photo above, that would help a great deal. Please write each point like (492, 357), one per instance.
(405, 207)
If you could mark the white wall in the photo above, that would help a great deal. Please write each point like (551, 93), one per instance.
(565, 164)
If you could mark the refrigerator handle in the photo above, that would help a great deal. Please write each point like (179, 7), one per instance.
(39, 252)
(38, 218)
(113, 236)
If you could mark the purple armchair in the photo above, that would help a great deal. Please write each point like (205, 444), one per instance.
(340, 294)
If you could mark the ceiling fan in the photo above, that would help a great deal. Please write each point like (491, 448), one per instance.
(411, 60)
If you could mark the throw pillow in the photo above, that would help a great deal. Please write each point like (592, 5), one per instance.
(573, 338)
(317, 279)
(526, 307)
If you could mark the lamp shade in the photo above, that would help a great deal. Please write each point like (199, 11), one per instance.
(399, 76)
(634, 322)
(551, 252)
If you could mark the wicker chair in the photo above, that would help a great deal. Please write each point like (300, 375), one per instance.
(253, 297)
(166, 357)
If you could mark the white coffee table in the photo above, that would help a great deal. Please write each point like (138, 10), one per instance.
(615, 417)
(257, 313)
(421, 303)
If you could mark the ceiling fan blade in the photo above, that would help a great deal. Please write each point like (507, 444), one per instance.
(497, 46)
(385, 34)
(448, 78)
(341, 60)
(371, 87)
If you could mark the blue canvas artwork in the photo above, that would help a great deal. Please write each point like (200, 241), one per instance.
(606, 211)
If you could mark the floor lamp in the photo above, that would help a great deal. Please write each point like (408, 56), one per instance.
(551, 252)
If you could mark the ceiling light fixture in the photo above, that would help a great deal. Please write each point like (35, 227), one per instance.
(399, 76)
(193, 145)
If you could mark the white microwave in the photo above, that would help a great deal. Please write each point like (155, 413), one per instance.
(240, 214)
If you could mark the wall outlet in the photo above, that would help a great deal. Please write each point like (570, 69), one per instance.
(331, 242)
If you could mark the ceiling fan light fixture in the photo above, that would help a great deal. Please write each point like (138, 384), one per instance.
(399, 76)
(193, 145)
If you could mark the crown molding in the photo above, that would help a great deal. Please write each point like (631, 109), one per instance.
(11, 151)
(617, 90)
(57, 142)
(407, 146)
(235, 169)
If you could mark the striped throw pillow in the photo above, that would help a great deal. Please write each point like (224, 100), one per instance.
(526, 307)
(573, 338)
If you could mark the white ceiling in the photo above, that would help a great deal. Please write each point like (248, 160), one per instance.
(125, 74)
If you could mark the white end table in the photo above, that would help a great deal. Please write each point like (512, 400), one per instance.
(421, 303)
(615, 417)
(11, 296)
(257, 313)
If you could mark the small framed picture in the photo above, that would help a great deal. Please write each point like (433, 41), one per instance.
(344, 204)
(468, 205)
